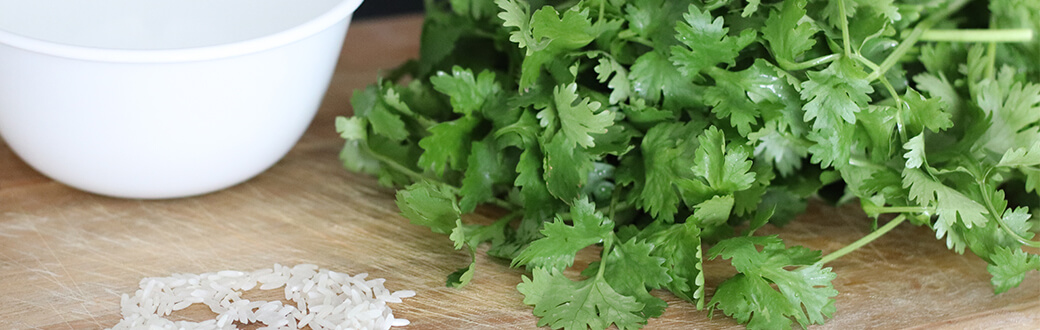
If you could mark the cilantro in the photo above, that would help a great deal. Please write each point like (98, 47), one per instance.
(706, 42)
(803, 294)
(651, 130)
(1009, 268)
(564, 304)
(788, 33)
(561, 242)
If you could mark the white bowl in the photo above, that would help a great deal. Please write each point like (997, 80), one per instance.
(163, 98)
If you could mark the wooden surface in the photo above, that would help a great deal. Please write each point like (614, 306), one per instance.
(66, 255)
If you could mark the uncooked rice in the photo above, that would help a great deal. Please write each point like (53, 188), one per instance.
(324, 300)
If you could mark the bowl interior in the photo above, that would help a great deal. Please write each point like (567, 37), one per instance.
(155, 24)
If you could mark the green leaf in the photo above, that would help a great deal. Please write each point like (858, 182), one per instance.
(915, 153)
(473, 8)
(655, 20)
(884, 8)
(355, 158)
(713, 212)
(789, 32)
(706, 42)
(664, 148)
(951, 205)
(654, 79)
(726, 170)
(429, 204)
(448, 145)
(552, 35)
(925, 113)
(592, 303)
(784, 151)
(804, 294)
(616, 76)
(578, 119)
(472, 236)
(466, 92)
(1014, 111)
(834, 97)
(1021, 156)
(353, 128)
(680, 246)
(387, 122)
(730, 100)
(1009, 268)
(835, 94)
(566, 168)
(631, 270)
(485, 169)
(561, 242)
(516, 14)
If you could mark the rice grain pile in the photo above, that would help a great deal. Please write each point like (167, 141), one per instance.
(324, 300)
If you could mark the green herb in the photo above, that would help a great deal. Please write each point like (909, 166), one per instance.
(652, 129)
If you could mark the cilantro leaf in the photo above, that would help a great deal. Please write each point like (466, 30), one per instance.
(468, 93)
(713, 212)
(1014, 112)
(915, 153)
(680, 246)
(616, 76)
(655, 79)
(516, 14)
(386, 121)
(726, 169)
(631, 269)
(706, 41)
(804, 294)
(834, 97)
(430, 205)
(835, 94)
(1009, 268)
(925, 113)
(1021, 156)
(664, 147)
(592, 303)
(783, 151)
(471, 236)
(951, 205)
(550, 35)
(485, 169)
(578, 119)
(566, 168)
(448, 145)
(561, 242)
(788, 33)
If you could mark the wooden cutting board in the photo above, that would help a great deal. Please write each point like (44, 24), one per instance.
(66, 255)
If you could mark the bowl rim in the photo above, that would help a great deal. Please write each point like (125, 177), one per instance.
(344, 10)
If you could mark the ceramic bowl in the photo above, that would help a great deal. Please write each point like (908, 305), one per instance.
(163, 98)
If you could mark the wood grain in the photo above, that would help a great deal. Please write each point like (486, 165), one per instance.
(66, 255)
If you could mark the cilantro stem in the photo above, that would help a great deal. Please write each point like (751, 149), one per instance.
(845, 40)
(608, 243)
(991, 59)
(999, 218)
(792, 66)
(977, 35)
(913, 37)
(863, 162)
(897, 209)
(863, 240)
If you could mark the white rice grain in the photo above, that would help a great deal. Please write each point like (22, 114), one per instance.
(323, 300)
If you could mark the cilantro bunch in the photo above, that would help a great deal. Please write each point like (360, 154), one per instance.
(653, 129)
